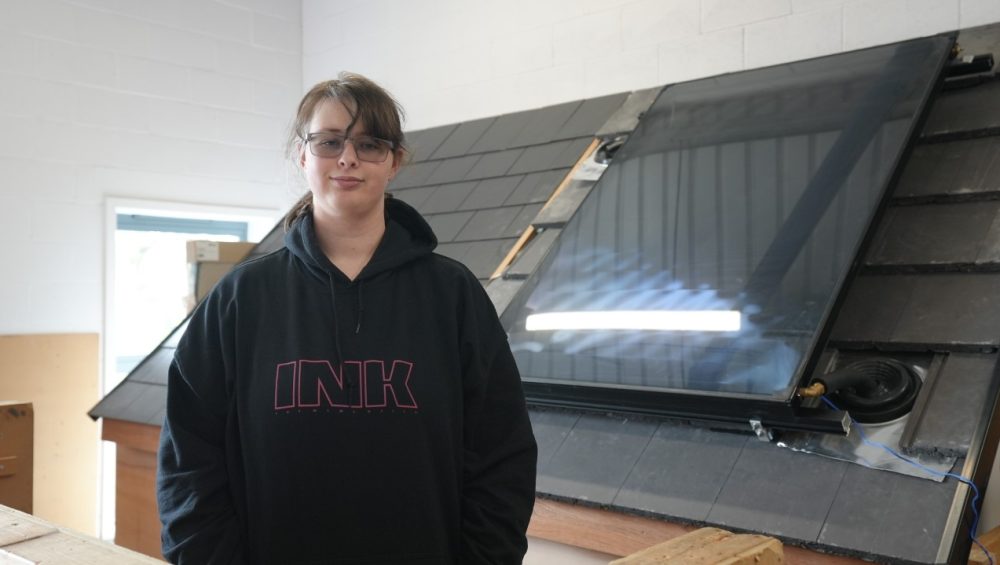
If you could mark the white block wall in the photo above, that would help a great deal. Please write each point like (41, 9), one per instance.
(179, 100)
(451, 60)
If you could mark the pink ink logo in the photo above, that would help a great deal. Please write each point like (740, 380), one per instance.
(309, 383)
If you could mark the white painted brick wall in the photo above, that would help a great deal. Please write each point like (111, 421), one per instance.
(453, 60)
(182, 101)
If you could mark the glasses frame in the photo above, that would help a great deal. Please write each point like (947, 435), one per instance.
(348, 138)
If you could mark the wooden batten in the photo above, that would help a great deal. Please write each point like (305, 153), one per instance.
(621, 534)
(137, 523)
(143, 437)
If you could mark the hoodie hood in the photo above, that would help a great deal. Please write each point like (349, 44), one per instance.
(407, 238)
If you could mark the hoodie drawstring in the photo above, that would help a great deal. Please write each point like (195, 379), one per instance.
(361, 307)
(333, 310)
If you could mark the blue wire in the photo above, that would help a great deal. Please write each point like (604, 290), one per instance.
(960, 478)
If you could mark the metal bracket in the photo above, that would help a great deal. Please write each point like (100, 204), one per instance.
(763, 434)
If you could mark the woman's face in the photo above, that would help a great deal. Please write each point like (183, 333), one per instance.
(343, 187)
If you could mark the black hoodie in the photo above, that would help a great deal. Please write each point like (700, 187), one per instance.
(311, 419)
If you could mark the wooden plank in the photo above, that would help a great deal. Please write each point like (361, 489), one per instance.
(529, 232)
(44, 543)
(59, 375)
(136, 518)
(621, 534)
(710, 546)
(991, 540)
(144, 437)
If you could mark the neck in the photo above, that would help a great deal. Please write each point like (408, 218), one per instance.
(349, 242)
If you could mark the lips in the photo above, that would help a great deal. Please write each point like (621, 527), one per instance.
(346, 182)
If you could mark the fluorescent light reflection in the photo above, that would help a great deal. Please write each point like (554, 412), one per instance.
(664, 320)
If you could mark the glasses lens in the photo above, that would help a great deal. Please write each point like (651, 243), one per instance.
(366, 147)
(326, 144)
(370, 148)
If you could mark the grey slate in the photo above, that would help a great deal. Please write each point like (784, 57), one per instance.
(887, 514)
(956, 168)
(153, 369)
(952, 310)
(532, 254)
(488, 224)
(778, 491)
(989, 249)
(965, 110)
(447, 226)
(501, 292)
(447, 198)
(524, 217)
(596, 458)
(682, 471)
(483, 257)
(544, 124)
(537, 187)
(551, 428)
(452, 170)
(415, 197)
(625, 118)
(414, 174)
(452, 250)
(462, 138)
(543, 158)
(563, 205)
(501, 133)
(424, 143)
(946, 424)
(872, 309)
(934, 234)
(175, 336)
(494, 164)
(491, 193)
(115, 404)
(591, 116)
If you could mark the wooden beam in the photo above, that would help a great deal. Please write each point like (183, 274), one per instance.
(530, 231)
(143, 437)
(620, 534)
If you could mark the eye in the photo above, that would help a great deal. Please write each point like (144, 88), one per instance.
(369, 144)
(330, 142)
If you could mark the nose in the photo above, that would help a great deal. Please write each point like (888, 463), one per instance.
(348, 157)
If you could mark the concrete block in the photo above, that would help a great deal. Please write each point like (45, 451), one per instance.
(181, 47)
(212, 88)
(622, 71)
(17, 53)
(580, 37)
(182, 119)
(877, 22)
(155, 78)
(291, 11)
(75, 63)
(277, 33)
(650, 22)
(105, 108)
(56, 182)
(978, 12)
(240, 128)
(795, 37)
(58, 307)
(721, 14)
(809, 5)
(278, 100)
(15, 221)
(259, 63)
(520, 52)
(702, 56)
(21, 137)
(111, 32)
(29, 97)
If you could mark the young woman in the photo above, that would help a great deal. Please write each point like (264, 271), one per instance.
(350, 398)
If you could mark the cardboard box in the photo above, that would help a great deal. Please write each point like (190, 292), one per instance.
(17, 450)
(218, 251)
(208, 261)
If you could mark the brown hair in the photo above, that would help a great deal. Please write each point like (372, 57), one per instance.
(365, 101)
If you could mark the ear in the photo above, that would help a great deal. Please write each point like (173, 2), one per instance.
(300, 149)
(397, 160)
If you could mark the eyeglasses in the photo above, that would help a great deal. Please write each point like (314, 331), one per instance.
(366, 147)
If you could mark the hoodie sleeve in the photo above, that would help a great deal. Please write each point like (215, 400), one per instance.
(193, 489)
(498, 491)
